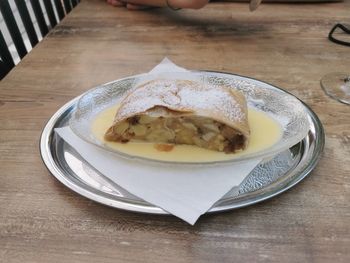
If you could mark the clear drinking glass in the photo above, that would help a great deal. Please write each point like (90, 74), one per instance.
(337, 84)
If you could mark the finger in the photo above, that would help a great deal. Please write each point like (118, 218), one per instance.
(116, 3)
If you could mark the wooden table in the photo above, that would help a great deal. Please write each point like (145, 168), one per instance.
(286, 45)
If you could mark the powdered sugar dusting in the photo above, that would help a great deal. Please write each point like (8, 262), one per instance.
(216, 99)
(183, 96)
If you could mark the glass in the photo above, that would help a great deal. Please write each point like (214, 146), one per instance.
(280, 105)
(337, 84)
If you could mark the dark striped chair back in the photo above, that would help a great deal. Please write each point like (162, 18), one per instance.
(55, 11)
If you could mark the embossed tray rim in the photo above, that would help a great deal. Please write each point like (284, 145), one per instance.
(313, 145)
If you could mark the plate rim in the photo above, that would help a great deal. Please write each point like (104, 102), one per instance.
(49, 162)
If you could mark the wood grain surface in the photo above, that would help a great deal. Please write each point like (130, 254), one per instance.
(286, 45)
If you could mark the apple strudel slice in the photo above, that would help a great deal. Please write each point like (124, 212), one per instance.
(183, 112)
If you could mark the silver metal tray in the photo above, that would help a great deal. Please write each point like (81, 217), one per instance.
(267, 180)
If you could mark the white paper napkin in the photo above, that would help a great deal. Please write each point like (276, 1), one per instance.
(186, 192)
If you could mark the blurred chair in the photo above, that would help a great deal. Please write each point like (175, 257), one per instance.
(31, 16)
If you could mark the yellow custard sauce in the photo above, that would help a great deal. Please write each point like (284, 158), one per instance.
(265, 132)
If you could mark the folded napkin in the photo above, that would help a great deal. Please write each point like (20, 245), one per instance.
(184, 191)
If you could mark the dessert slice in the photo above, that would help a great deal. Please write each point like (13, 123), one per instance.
(183, 112)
